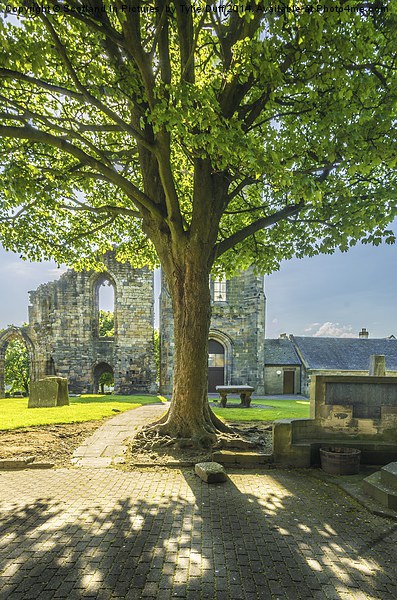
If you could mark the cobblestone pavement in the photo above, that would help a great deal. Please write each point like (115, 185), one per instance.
(103, 533)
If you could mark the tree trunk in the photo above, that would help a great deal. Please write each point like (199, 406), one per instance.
(190, 416)
(186, 256)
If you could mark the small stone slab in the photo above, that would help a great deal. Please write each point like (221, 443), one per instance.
(9, 464)
(242, 459)
(12, 464)
(210, 472)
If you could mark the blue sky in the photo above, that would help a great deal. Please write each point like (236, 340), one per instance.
(333, 295)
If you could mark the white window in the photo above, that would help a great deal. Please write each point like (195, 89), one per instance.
(220, 290)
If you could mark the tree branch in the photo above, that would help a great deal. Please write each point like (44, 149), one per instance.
(106, 208)
(247, 181)
(64, 131)
(111, 175)
(83, 90)
(263, 223)
(8, 73)
(185, 34)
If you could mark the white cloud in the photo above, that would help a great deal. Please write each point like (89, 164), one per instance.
(329, 329)
(311, 326)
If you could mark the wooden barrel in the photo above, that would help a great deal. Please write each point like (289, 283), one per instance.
(340, 461)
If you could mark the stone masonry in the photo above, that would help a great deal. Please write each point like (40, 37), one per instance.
(237, 323)
(62, 336)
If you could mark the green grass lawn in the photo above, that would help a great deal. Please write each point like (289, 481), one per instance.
(281, 409)
(14, 412)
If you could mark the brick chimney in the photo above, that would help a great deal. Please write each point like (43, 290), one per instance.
(363, 334)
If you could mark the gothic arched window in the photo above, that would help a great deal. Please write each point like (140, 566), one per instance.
(104, 308)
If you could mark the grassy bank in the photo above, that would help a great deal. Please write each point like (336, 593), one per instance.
(14, 412)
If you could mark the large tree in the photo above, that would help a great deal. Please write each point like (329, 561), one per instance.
(202, 136)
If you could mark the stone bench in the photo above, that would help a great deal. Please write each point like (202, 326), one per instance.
(245, 392)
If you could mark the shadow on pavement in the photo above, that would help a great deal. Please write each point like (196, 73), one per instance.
(277, 534)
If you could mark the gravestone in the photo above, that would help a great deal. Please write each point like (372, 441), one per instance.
(49, 392)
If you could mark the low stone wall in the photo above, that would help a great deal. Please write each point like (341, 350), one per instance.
(353, 411)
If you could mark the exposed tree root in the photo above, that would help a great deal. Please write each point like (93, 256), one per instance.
(204, 436)
(158, 435)
(168, 434)
(218, 424)
(152, 447)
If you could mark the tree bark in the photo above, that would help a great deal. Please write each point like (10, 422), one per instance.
(190, 418)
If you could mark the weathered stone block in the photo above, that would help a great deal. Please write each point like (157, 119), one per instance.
(9, 464)
(43, 394)
(49, 392)
(210, 472)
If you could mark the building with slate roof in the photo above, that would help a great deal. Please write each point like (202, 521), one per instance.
(282, 367)
(349, 356)
(291, 361)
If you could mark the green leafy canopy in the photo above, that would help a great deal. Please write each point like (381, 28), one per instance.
(263, 134)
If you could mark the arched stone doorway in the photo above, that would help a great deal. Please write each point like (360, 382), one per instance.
(216, 365)
(220, 345)
(103, 378)
(11, 334)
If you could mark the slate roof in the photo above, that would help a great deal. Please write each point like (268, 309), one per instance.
(280, 352)
(346, 354)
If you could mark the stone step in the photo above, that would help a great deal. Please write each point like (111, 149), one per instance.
(242, 459)
(385, 495)
(389, 475)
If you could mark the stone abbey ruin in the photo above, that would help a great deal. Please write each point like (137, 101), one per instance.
(63, 338)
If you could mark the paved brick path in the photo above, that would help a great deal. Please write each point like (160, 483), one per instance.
(159, 534)
(107, 445)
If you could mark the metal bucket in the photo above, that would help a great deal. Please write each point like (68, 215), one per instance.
(340, 461)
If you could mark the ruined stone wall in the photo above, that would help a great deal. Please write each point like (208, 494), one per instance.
(238, 324)
(63, 338)
(63, 326)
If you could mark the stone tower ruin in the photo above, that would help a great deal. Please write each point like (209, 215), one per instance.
(62, 336)
(236, 337)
